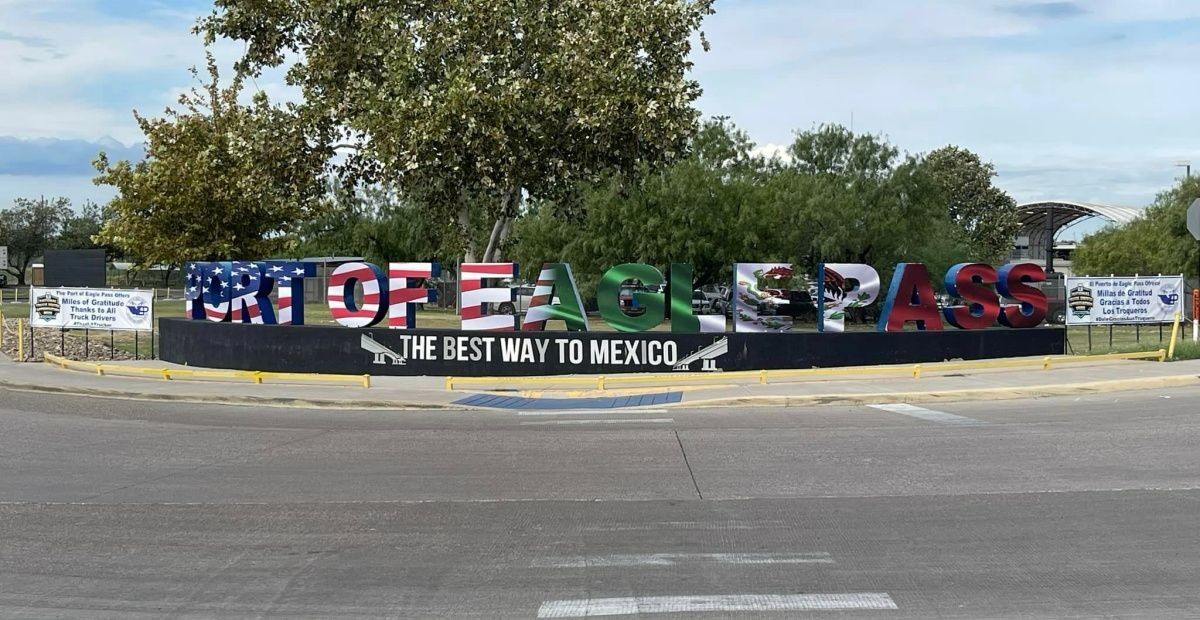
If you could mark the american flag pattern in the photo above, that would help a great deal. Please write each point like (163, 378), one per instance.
(290, 276)
(474, 295)
(208, 291)
(193, 306)
(404, 295)
(340, 295)
(540, 306)
(251, 293)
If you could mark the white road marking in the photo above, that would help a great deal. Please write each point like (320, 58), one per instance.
(687, 525)
(929, 415)
(581, 608)
(591, 411)
(674, 559)
(629, 421)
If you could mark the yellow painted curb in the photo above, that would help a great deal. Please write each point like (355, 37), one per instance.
(765, 377)
(1037, 391)
(172, 374)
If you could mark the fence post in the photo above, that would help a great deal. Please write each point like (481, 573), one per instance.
(20, 340)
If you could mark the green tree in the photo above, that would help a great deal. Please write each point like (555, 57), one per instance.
(468, 105)
(688, 212)
(840, 197)
(846, 197)
(380, 225)
(28, 228)
(986, 214)
(80, 230)
(1157, 242)
(220, 180)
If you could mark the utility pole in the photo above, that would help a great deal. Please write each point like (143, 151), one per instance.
(1187, 166)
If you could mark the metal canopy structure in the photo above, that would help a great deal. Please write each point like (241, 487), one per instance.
(1041, 221)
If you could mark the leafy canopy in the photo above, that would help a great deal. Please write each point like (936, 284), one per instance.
(462, 102)
(1157, 242)
(220, 180)
(987, 214)
(28, 228)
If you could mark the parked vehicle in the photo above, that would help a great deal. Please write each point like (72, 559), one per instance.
(524, 297)
(700, 303)
(714, 292)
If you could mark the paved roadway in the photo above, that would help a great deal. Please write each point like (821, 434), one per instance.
(1075, 507)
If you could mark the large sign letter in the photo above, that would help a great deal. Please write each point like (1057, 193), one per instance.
(290, 276)
(683, 319)
(555, 282)
(763, 297)
(404, 294)
(910, 299)
(969, 281)
(340, 295)
(608, 297)
(840, 287)
(1013, 284)
(251, 293)
(208, 293)
(474, 296)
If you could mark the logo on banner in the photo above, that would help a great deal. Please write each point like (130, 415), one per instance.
(383, 355)
(138, 309)
(707, 356)
(47, 307)
(1169, 300)
(1081, 301)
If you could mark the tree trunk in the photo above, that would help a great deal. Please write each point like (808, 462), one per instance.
(500, 228)
(464, 228)
(21, 273)
(494, 239)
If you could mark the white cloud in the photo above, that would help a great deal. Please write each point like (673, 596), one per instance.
(1107, 86)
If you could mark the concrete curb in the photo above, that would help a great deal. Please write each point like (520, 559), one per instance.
(262, 401)
(1040, 391)
(1092, 387)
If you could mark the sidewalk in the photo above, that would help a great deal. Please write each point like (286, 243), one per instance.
(430, 393)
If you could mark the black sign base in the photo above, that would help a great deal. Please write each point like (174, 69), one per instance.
(341, 350)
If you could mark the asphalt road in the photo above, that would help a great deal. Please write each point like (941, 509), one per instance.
(1065, 508)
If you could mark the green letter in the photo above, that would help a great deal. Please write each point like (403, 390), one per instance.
(608, 295)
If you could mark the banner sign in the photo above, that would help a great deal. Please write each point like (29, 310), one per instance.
(766, 297)
(3, 257)
(91, 308)
(1112, 300)
(379, 351)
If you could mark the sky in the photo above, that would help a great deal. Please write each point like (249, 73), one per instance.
(1089, 100)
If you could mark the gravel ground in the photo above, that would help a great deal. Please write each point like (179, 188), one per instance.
(71, 345)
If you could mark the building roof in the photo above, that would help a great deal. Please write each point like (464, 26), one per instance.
(1066, 212)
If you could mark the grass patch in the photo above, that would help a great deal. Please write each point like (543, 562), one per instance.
(1123, 339)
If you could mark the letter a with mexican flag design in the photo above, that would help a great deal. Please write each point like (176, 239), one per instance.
(555, 281)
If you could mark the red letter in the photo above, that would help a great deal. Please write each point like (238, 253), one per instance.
(968, 280)
(910, 298)
(1012, 285)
